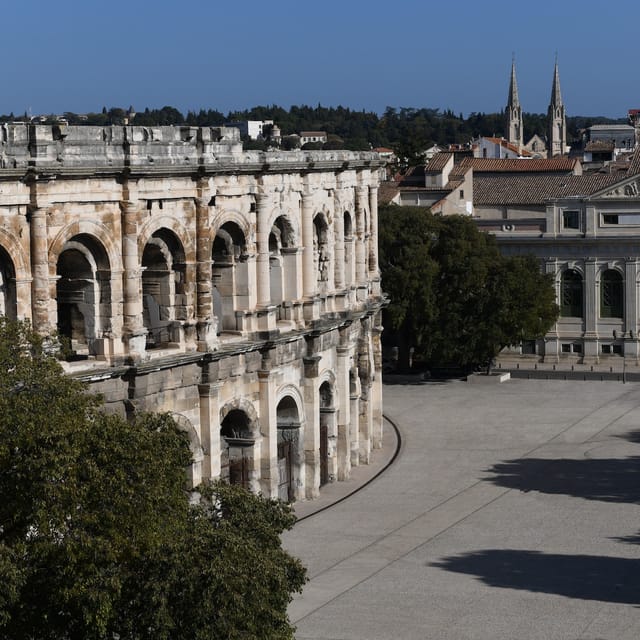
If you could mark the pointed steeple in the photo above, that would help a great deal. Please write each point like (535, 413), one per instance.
(556, 96)
(513, 110)
(557, 121)
(513, 100)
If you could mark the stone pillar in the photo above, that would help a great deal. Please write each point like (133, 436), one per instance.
(376, 386)
(361, 262)
(210, 428)
(312, 428)
(338, 224)
(134, 332)
(309, 275)
(632, 346)
(551, 339)
(269, 430)
(206, 322)
(262, 235)
(374, 273)
(344, 411)
(354, 414)
(40, 293)
(591, 296)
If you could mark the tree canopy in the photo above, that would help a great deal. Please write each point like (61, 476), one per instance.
(99, 536)
(455, 299)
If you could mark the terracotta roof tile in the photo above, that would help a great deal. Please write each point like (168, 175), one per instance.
(536, 189)
(520, 165)
(438, 162)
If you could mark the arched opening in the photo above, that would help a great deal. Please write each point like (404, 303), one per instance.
(288, 421)
(571, 297)
(194, 472)
(348, 249)
(8, 297)
(321, 251)
(230, 287)
(327, 432)
(236, 448)
(83, 294)
(611, 294)
(163, 284)
(281, 266)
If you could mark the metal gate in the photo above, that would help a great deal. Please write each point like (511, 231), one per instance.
(285, 484)
(324, 454)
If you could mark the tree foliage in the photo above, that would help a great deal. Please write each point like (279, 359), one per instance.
(98, 535)
(454, 297)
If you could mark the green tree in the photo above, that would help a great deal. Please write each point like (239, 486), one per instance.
(454, 297)
(406, 236)
(98, 535)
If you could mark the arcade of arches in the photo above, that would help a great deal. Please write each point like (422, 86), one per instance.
(241, 294)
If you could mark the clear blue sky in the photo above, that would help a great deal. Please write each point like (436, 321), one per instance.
(81, 55)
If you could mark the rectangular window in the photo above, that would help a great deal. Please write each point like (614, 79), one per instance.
(461, 194)
(571, 220)
(606, 348)
(566, 348)
(617, 349)
(577, 347)
(529, 347)
(609, 218)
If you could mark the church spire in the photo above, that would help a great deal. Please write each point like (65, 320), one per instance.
(513, 111)
(513, 100)
(557, 122)
(556, 96)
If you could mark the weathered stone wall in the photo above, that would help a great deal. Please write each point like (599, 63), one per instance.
(239, 291)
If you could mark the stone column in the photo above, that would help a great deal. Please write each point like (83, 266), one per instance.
(338, 224)
(374, 273)
(632, 347)
(206, 321)
(312, 427)
(269, 430)
(134, 332)
(263, 202)
(210, 428)
(376, 386)
(40, 293)
(344, 411)
(309, 275)
(591, 291)
(354, 414)
(361, 262)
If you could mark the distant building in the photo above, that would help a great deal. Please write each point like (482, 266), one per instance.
(251, 128)
(313, 136)
(623, 136)
(490, 147)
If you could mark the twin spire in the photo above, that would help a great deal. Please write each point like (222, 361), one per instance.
(556, 133)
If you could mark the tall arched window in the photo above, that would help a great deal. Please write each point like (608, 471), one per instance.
(571, 298)
(611, 295)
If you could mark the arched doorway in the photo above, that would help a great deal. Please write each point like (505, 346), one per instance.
(83, 294)
(236, 448)
(8, 299)
(163, 278)
(288, 421)
(229, 273)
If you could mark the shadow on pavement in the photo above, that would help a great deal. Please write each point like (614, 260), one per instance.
(574, 576)
(607, 479)
(632, 436)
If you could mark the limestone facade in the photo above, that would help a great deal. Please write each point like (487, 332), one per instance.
(238, 290)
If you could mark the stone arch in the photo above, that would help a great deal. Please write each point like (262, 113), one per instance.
(101, 234)
(164, 287)
(611, 285)
(239, 429)
(292, 223)
(240, 220)
(13, 249)
(328, 429)
(571, 293)
(229, 273)
(194, 473)
(8, 290)
(168, 223)
(282, 260)
(84, 294)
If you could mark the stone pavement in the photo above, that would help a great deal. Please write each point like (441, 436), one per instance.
(512, 512)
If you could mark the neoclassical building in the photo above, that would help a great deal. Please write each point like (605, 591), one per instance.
(237, 290)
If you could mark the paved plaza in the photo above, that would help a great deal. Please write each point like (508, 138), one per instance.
(511, 512)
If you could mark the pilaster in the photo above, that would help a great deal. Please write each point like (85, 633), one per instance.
(40, 293)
